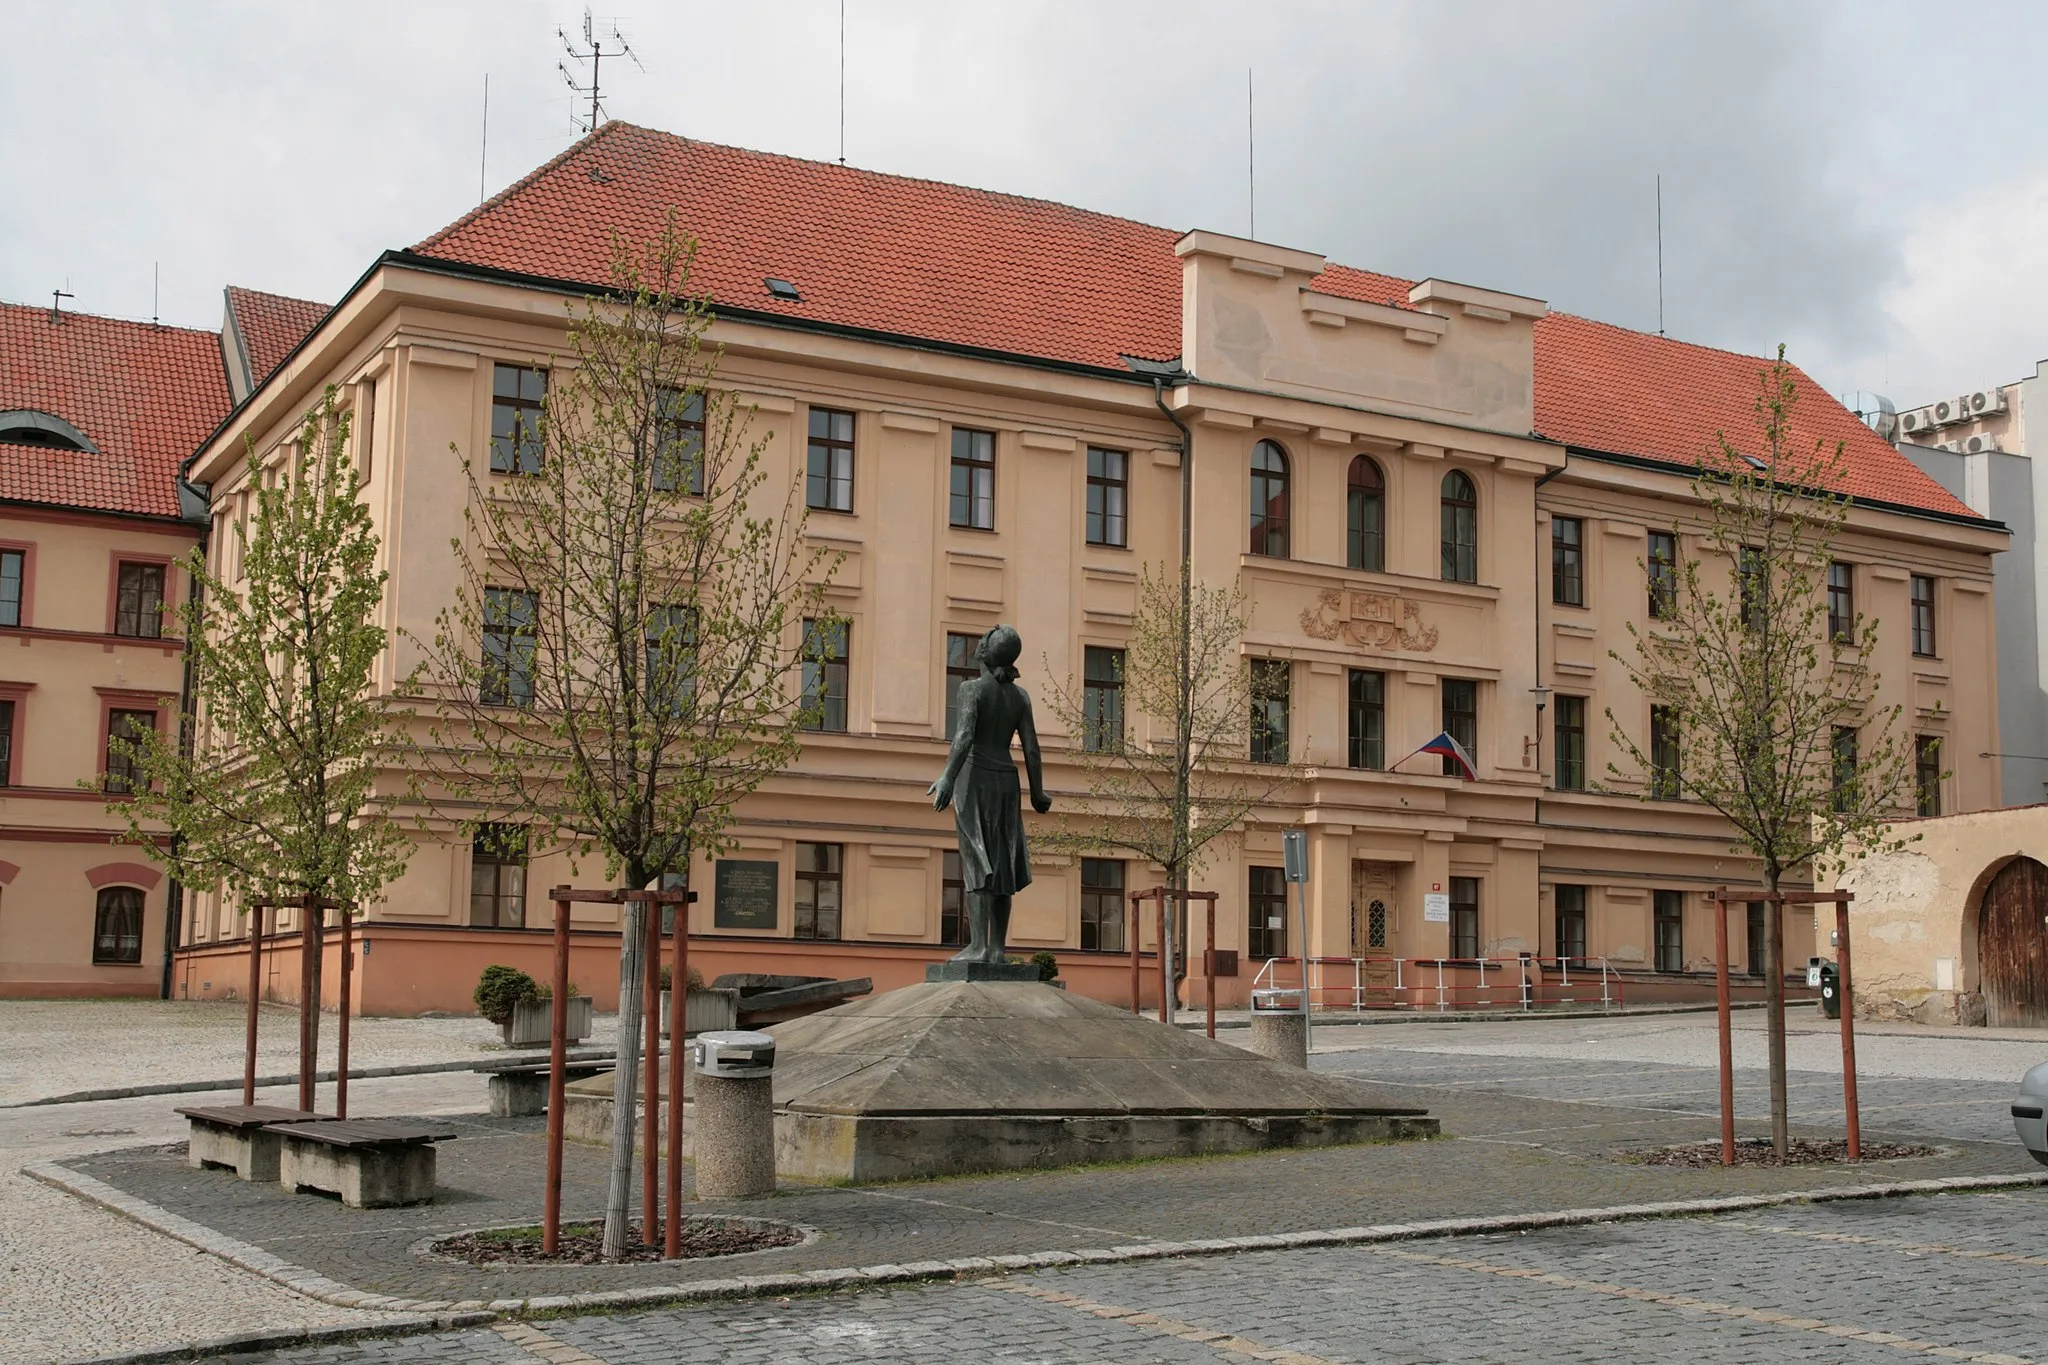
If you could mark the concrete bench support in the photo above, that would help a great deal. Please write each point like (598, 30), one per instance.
(237, 1138)
(520, 1092)
(364, 1177)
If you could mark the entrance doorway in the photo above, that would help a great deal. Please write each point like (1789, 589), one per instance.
(1373, 925)
(2012, 946)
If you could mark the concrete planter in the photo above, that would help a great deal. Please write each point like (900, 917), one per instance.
(531, 1020)
(708, 1010)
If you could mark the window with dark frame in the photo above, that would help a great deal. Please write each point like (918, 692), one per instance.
(1366, 720)
(1670, 929)
(517, 395)
(13, 580)
(1568, 561)
(1102, 905)
(679, 441)
(1661, 564)
(1269, 500)
(506, 675)
(1108, 494)
(828, 473)
(1460, 529)
(671, 658)
(117, 925)
(1844, 760)
(1926, 772)
(139, 601)
(952, 901)
(1570, 904)
(960, 668)
(6, 743)
(1266, 930)
(497, 877)
(123, 773)
(1666, 779)
(1753, 583)
(974, 479)
(827, 653)
(1569, 748)
(1366, 516)
(1465, 917)
(1923, 616)
(1841, 603)
(1272, 689)
(1757, 930)
(1102, 699)
(1461, 720)
(820, 872)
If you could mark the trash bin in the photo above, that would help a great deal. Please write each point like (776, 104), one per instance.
(1279, 1028)
(1831, 990)
(2028, 1113)
(735, 1139)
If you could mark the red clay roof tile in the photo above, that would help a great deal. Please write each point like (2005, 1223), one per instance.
(270, 326)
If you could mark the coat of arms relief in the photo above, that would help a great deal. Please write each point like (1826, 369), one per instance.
(1369, 620)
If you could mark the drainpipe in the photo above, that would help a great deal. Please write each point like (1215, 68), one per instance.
(174, 893)
(1185, 700)
(1536, 617)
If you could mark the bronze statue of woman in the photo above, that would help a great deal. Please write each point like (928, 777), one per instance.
(980, 783)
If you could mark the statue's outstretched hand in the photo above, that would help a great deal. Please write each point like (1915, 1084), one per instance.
(1040, 802)
(941, 793)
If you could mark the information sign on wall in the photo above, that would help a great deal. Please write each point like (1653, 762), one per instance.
(745, 897)
(1436, 907)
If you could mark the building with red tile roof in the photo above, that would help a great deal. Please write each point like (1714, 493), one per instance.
(259, 330)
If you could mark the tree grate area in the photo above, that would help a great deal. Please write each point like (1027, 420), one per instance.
(583, 1243)
(1758, 1152)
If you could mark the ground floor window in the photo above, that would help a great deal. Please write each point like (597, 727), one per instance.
(1102, 905)
(497, 877)
(1571, 923)
(1755, 965)
(1670, 931)
(1465, 917)
(117, 925)
(952, 902)
(820, 873)
(1267, 930)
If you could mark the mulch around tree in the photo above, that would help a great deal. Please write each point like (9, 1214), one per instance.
(1758, 1152)
(583, 1243)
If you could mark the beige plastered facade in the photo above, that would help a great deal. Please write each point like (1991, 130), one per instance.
(65, 669)
(1445, 386)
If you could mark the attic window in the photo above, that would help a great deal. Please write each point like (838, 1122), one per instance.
(28, 427)
(1755, 463)
(782, 289)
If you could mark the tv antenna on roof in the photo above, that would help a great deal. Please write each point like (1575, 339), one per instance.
(595, 56)
(56, 315)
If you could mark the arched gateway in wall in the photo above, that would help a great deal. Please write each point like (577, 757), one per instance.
(2012, 946)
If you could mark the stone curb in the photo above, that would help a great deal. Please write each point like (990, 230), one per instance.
(1498, 1016)
(129, 1092)
(268, 1340)
(426, 1315)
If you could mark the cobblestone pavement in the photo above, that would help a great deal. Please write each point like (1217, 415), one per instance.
(1949, 1278)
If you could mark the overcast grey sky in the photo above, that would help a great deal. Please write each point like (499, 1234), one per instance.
(1866, 181)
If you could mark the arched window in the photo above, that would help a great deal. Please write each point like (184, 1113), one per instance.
(1367, 516)
(1460, 528)
(31, 427)
(117, 925)
(1269, 500)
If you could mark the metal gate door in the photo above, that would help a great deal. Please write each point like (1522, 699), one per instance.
(2012, 946)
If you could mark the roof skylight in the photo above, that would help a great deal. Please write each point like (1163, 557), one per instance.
(782, 289)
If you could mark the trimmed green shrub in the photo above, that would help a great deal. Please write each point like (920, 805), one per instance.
(1048, 965)
(500, 988)
(694, 982)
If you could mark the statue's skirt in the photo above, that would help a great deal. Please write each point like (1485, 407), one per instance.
(987, 812)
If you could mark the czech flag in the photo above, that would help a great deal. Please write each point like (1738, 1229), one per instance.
(1450, 748)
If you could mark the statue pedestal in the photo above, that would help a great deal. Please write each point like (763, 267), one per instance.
(981, 971)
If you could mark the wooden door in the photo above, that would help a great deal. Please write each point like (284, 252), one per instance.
(2012, 946)
(1373, 931)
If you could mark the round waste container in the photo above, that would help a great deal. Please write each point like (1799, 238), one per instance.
(734, 1144)
(2030, 1113)
(1279, 1028)
(1831, 990)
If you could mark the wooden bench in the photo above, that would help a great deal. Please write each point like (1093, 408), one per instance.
(520, 1089)
(242, 1138)
(370, 1163)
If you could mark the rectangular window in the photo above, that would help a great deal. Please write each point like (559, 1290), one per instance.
(1571, 743)
(1266, 932)
(497, 877)
(671, 659)
(1923, 616)
(6, 743)
(1571, 923)
(124, 774)
(679, 441)
(12, 574)
(827, 646)
(1662, 563)
(819, 877)
(1102, 905)
(974, 479)
(1670, 914)
(507, 673)
(139, 601)
(1102, 699)
(117, 925)
(960, 667)
(1844, 774)
(517, 392)
(1842, 602)
(1753, 582)
(1271, 697)
(1465, 917)
(1108, 485)
(828, 474)
(1666, 780)
(952, 901)
(1567, 561)
(1367, 719)
(1461, 719)
(1758, 931)
(1926, 771)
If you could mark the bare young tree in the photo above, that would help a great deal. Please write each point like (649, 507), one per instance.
(620, 666)
(1165, 750)
(1764, 699)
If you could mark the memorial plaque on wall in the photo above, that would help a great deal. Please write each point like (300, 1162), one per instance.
(745, 894)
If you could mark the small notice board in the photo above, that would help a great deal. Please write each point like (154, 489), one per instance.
(745, 894)
(1436, 907)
